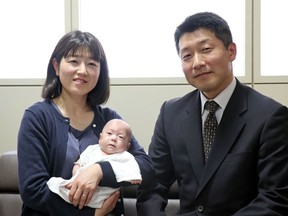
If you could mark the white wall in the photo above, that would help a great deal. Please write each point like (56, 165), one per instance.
(139, 105)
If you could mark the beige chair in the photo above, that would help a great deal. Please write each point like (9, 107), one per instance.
(10, 201)
(129, 194)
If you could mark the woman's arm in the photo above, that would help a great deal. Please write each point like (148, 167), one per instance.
(36, 165)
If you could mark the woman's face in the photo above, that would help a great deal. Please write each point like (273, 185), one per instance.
(78, 74)
(206, 63)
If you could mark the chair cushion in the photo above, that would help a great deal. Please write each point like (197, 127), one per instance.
(10, 204)
(9, 172)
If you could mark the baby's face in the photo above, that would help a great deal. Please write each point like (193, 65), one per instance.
(114, 138)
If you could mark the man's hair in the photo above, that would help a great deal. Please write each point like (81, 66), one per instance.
(205, 20)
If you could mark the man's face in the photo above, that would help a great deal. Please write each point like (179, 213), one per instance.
(206, 63)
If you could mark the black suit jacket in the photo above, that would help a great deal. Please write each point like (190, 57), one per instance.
(247, 169)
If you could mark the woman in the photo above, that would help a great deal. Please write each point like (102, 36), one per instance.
(55, 131)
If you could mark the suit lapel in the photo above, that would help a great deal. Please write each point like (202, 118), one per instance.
(229, 128)
(191, 127)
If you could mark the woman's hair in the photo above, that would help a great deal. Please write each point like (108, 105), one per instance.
(69, 44)
(205, 20)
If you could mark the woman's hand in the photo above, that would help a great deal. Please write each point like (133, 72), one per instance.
(84, 186)
(108, 205)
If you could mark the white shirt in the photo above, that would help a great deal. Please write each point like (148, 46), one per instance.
(222, 100)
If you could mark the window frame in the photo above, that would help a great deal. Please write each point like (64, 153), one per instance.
(257, 77)
(252, 53)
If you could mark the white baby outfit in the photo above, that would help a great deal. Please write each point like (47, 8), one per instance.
(124, 165)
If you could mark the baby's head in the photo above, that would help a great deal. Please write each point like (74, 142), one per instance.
(115, 136)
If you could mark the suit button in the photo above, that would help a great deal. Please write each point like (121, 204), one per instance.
(200, 208)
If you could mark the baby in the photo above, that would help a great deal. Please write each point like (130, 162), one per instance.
(114, 142)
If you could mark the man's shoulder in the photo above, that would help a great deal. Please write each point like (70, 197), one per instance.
(187, 98)
(256, 102)
(256, 97)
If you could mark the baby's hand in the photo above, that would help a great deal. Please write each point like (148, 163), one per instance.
(136, 181)
(76, 167)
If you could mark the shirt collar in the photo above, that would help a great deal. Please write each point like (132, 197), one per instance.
(222, 99)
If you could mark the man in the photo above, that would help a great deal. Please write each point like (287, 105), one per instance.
(243, 170)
